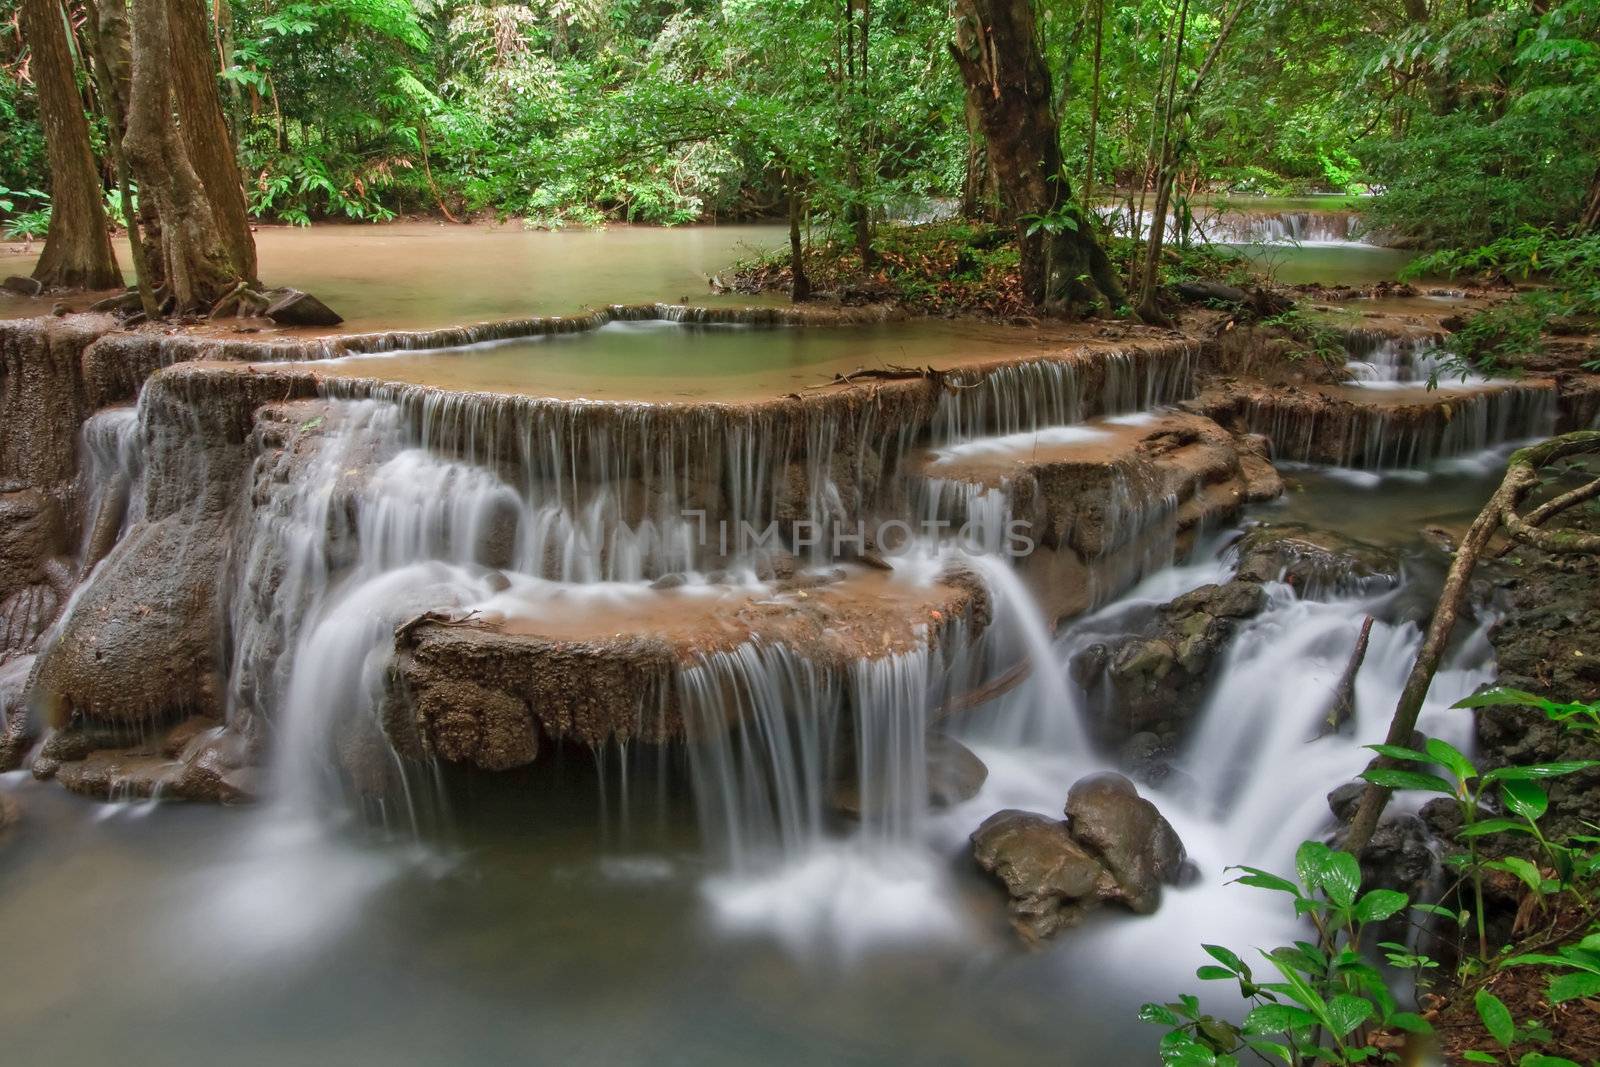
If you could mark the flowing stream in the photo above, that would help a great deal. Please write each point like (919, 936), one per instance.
(695, 902)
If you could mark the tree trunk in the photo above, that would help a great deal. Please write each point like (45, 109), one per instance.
(977, 184)
(205, 131)
(1094, 106)
(77, 252)
(1591, 210)
(800, 285)
(1064, 269)
(197, 267)
(105, 29)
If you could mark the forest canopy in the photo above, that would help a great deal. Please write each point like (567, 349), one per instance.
(1472, 118)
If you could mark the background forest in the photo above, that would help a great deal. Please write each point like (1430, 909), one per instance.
(1473, 118)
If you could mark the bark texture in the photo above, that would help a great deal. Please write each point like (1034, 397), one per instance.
(206, 134)
(199, 265)
(77, 253)
(1064, 268)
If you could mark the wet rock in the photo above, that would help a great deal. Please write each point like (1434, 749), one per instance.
(1147, 758)
(296, 308)
(470, 724)
(1155, 680)
(1131, 837)
(122, 304)
(141, 642)
(1316, 562)
(1343, 800)
(62, 746)
(1441, 815)
(31, 532)
(1052, 880)
(44, 397)
(1401, 855)
(16, 283)
(214, 767)
(954, 773)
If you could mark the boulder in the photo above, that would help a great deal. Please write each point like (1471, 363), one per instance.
(1316, 562)
(141, 641)
(22, 286)
(1132, 839)
(1154, 680)
(296, 308)
(954, 771)
(1053, 881)
(31, 532)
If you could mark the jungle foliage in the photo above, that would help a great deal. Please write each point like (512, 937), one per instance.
(1472, 119)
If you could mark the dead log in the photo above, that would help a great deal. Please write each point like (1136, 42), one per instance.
(1342, 706)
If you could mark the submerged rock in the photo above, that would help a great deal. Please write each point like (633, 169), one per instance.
(955, 774)
(1316, 562)
(16, 283)
(198, 760)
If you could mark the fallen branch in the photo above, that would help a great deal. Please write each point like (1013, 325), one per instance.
(404, 633)
(992, 690)
(1343, 704)
(1551, 508)
(890, 373)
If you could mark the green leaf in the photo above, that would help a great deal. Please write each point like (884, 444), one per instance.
(1525, 871)
(1474, 1056)
(1493, 826)
(1211, 972)
(1539, 1059)
(1346, 1012)
(1410, 755)
(1393, 778)
(1527, 799)
(1536, 959)
(1539, 770)
(1341, 878)
(1277, 1018)
(1268, 1049)
(1159, 1014)
(1410, 1022)
(1309, 861)
(1496, 1017)
(1492, 697)
(1380, 904)
(1260, 879)
(1227, 958)
(1447, 755)
(1572, 986)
